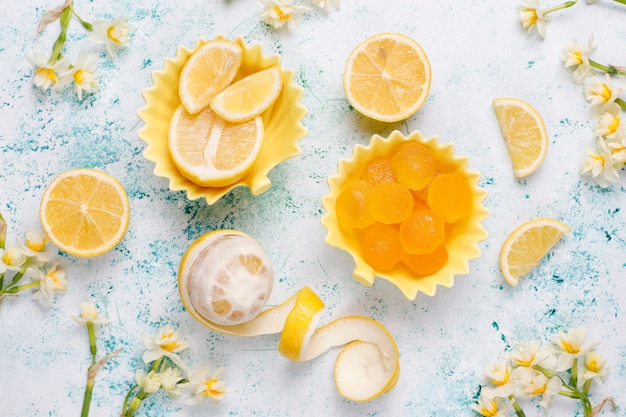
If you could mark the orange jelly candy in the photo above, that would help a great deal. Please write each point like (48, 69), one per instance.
(390, 202)
(351, 205)
(428, 263)
(451, 196)
(414, 165)
(381, 246)
(378, 170)
(422, 232)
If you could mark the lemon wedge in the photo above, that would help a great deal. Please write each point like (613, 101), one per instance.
(524, 133)
(525, 246)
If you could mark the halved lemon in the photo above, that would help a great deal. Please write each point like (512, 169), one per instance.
(250, 96)
(524, 133)
(366, 367)
(387, 77)
(211, 151)
(525, 246)
(207, 72)
(85, 212)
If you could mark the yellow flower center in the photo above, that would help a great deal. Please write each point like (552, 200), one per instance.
(48, 73)
(79, 76)
(112, 34)
(505, 378)
(281, 15)
(567, 346)
(36, 246)
(606, 92)
(592, 365)
(539, 390)
(210, 391)
(612, 127)
(490, 409)
(579, 57)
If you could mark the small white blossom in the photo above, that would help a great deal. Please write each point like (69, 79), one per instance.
(278, 12)
(149, 382)
(529, 354)
(569, 346)
(538, 384)
(609, 124)
(595, 368)
(53, 281)
(204, 385)
(499, 374)
(47, 75)
(600, 165)
(492, 407)
(166, 342)
(170, 378)
(11, 258)
(577, 56)
(602, 93)
(530, 15)
(36, 242)
(114, 35)
(84, 74)
(89, 313)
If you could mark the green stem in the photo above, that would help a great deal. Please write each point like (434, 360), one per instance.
(559, 7)
(620, 1)
(19, 288)
(587, 386)
(92, 341)
(20, 274)
(621, 103)
(60, 41)
(87, 399)
(609, 69)
(85, 24)
(125, 403)
(573, 381)
(518, 410)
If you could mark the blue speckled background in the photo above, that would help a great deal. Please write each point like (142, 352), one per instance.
(478, 51)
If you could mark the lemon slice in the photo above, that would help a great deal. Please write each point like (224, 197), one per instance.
(207, 72)
(367, 366)
(387, 77)
(524, 248)
(250, 96)
(524, 133)
(85, 212)
(211, 151)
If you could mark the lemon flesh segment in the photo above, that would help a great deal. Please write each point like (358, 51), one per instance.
(387, 77)
(85, 212)
(526, 246)
(368, 363)
(207, 72)
(524, 133)
(250, 96)
(211, 151)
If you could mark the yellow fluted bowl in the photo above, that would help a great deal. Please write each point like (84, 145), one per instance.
(461, 243)
(282, 122)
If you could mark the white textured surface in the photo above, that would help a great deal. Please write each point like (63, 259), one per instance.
(478, 51)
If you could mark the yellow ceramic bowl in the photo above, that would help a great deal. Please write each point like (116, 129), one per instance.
(462, 243)
(282, 124)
